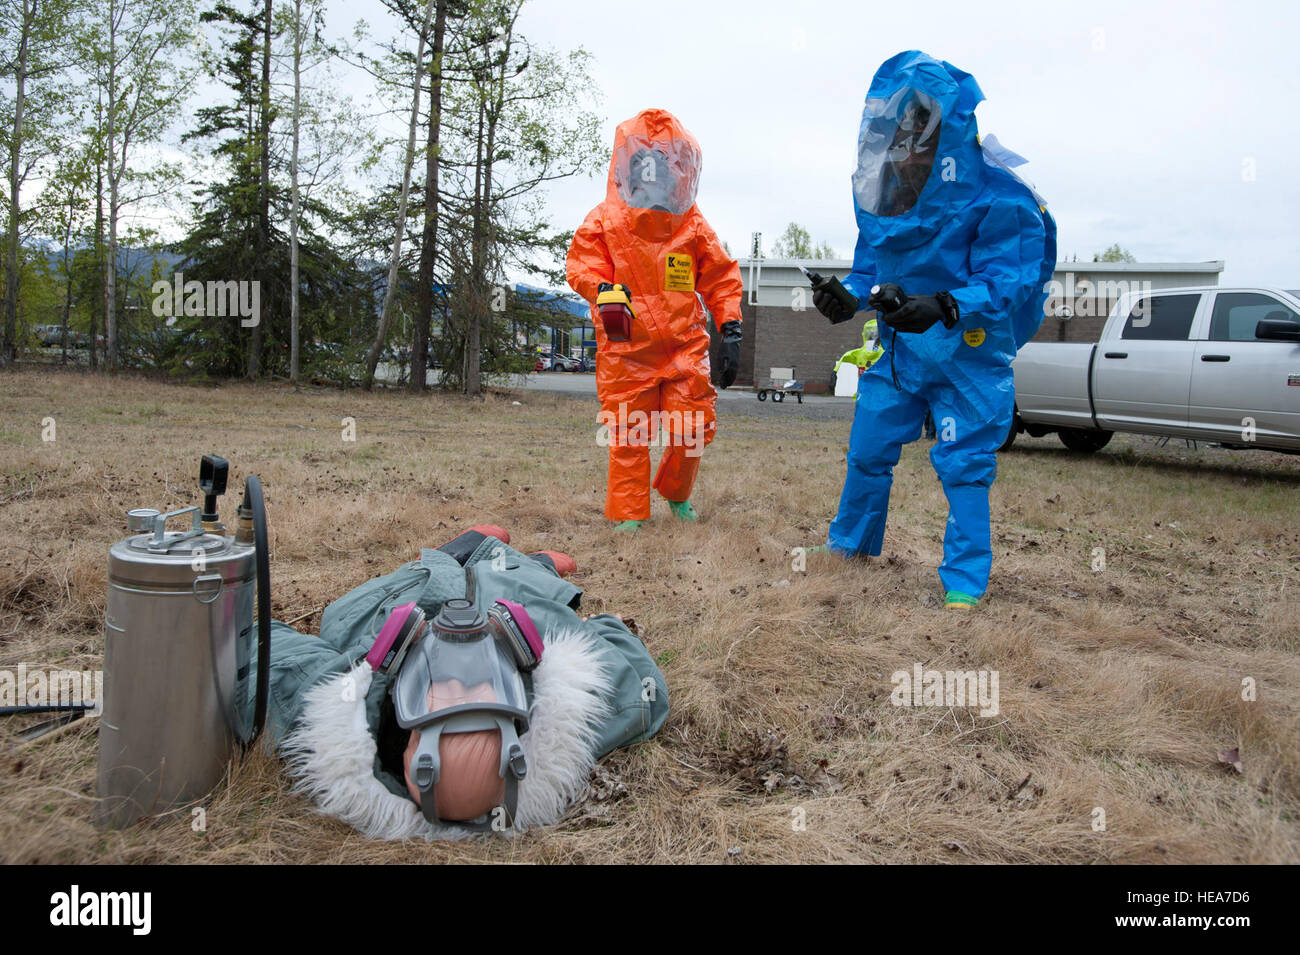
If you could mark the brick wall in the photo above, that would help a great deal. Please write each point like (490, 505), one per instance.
(1077, 329)
(783, 337)
(777, 335)
(1082, 327)
(780, 337)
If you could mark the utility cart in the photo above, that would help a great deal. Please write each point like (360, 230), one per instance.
(780, 383)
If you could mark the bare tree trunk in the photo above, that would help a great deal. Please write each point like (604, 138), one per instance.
(97, 302)
(483, 239)
(473, 337)
(9, 339)
(372, 357)
(110, 260)
(110, 279)
(293, 187)
(264, 191)
(429, 240)
(67, 273)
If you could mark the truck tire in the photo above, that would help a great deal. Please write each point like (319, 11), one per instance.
(1011, 434)
(1084, 441)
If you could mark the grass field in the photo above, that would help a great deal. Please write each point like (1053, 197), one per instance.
(1120, 685)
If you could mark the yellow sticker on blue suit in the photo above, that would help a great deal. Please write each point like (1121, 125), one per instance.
(974, 338)
(679, 273)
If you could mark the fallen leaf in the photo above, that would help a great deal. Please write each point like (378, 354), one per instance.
(1230, 757)
(605, 785)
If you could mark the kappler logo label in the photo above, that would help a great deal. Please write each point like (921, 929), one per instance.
(679, 274)
(75, 908)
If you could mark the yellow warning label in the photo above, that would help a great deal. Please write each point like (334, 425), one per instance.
(974, 338)
(679, 273)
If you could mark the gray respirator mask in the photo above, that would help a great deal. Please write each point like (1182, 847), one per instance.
(463, 674)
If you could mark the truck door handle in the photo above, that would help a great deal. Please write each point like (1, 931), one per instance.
(1116, 354)
(1216, 358)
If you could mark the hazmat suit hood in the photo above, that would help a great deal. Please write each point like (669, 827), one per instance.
(919, 157)
(654, 175)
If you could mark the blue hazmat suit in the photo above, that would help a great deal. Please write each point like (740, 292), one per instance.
(938, 212)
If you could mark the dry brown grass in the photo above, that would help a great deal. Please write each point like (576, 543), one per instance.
(1118, 688)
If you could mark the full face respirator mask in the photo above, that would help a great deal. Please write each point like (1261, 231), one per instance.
(461, 672)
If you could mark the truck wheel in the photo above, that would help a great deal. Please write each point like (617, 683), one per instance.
(1011, 433)
(762, 396)
(1084, 441)
(778, 396)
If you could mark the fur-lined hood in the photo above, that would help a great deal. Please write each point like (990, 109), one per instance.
(331, 750)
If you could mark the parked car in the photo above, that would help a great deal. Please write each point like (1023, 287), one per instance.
(1208, 364)
(429, 360)
(543, 362)
(565, 363)
(50, 335)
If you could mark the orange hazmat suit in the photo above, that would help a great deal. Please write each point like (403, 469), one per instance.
(649, 236)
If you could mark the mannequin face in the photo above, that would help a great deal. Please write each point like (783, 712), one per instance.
(469, 784)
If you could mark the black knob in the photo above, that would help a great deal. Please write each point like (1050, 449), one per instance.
(213, 472)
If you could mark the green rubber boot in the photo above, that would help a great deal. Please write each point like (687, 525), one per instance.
(628, 527)
(956, 600)
(683, 511)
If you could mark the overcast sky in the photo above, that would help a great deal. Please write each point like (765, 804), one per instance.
(1172, 128)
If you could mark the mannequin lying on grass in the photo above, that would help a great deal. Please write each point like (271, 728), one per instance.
(510, 747)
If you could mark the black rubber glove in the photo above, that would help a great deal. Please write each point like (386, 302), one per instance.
(920, 312)
(886, 298)
(832, 307)
(731, 339)
(609, 286)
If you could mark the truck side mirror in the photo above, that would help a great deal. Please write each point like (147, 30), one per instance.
(1278, 330)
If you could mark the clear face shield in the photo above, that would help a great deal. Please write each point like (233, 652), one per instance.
(658, 175)
(461, 677)
(896, 151)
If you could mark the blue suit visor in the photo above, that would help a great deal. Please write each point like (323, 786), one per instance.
(897, 146)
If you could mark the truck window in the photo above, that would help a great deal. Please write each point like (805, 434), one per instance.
(1237, 313)
(1163, 318)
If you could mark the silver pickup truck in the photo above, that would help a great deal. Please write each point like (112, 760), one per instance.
(1210, 364)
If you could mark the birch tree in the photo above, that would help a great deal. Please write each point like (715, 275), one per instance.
(326, 134)
(143, 56)
(34, 57)
(390, 289)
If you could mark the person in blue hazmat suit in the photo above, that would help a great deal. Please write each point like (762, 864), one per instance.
(953, 251)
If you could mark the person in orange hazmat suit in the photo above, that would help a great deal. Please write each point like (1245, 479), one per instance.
(651, 265)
